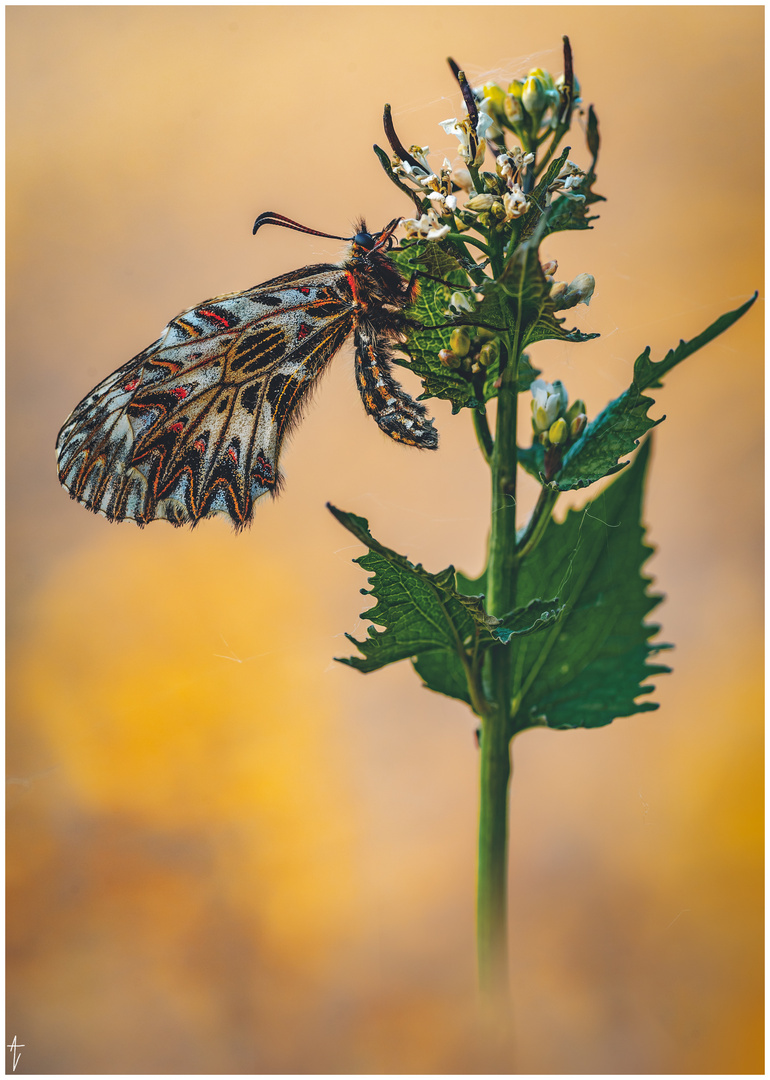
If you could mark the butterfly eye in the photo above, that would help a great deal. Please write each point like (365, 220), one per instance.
(364, 240)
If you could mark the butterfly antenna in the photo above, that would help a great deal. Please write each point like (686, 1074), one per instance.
(270, 218)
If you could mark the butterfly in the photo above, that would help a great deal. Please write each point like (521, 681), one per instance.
(193, 426)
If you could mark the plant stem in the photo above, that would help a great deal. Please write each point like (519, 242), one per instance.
(538, 523)
(492, 894)
(481, 427)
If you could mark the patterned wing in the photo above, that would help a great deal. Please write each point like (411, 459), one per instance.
(397, 414)
(193, 426)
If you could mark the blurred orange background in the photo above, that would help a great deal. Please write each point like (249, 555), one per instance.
(227, 853)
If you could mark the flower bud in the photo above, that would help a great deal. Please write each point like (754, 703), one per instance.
(557, 432)
(480, 202)
(450, 359)
(498, 211)
(489, 353)
(493, 183)
(558, 293)
(560, 390)
(514, 113)
(460, 341)
(583, 287)
(578, 406)
(533, 96)
(549, 269)
(482, 334)
(577, 426)
(460, 225)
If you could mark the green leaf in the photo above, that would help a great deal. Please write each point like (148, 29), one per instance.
(567, 213)
(424, 613)
(444, 630)
(593, 665)
(528, 295)
(620, 426)
(430, 310)
(538, 197)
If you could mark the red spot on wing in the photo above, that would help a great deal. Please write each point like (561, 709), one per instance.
(303, 331)
(199, 444)
(179, 391)
(232, 453)
(178, 426)
(132, 385)
(214, 315)
(305, 291)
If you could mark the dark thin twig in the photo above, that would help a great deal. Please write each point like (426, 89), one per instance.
(568, 90)
(396, 143)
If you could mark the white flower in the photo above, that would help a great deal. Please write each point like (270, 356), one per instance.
(472, 147)
(427, 227)
(486, 123)
(515, 203)
(548, 400)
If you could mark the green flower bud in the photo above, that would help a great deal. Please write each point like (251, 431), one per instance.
(482, 334)
(577, 407)
(557, 432)
(480, 202)
(533, 96)
(460, 341)
(489, 353)
(494, 183)
(460, 225)
(577, 426)
(497, 211)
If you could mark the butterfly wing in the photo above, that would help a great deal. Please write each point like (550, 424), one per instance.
(193, 426)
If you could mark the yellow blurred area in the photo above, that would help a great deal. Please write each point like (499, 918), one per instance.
(227, 853)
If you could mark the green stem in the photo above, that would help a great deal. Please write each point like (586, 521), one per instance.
(483, 434)
(463, 239)
(492, 900)
(538, 523)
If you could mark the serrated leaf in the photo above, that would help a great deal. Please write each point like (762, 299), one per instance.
(567, 213)
(422, 612)
(538, 197)
(529, 295)
(620, 426)
(430, 311)
(594, 664)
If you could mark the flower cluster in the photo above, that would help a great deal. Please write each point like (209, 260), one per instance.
(554, 421)
(531, 107)
(471, 349)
